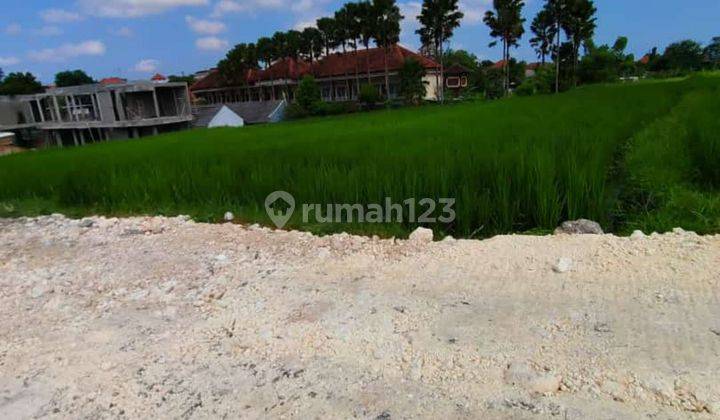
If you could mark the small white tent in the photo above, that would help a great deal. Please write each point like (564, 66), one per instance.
(226, 118)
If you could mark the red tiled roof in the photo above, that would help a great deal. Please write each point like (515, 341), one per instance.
(331, 66)
(158, 77)
(645, 59)
(500, 64)
(456, 69)
(533, 66)
(112, 81)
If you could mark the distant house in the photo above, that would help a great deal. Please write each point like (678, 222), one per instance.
(238, 114)
(336, 75)
(159, 78)
(531, 69)
(456, 79)
(112, 81)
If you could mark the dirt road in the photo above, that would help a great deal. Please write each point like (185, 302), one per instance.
(155, 318)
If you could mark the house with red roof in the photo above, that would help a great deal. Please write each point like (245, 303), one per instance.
(339, 75)
(159, 78)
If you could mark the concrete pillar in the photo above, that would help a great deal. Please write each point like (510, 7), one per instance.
(135, 133)
(155, 131)
(58, 139)
(82, 137)
(40, 107)
(155, 100)
(75, 137)
(118, 104)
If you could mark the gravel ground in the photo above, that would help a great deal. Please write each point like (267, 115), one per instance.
(156, 317)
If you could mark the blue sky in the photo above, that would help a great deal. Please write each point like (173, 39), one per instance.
(135, 38)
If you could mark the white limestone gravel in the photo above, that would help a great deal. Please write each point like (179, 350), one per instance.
(164, 317)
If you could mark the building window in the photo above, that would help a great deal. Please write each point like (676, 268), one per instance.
(463, 81)
(341, 93)
(453, 82)
(326, 93)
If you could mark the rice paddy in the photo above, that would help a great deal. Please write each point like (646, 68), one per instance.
(629, 156)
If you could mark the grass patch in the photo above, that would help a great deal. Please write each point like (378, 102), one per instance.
(517, 165)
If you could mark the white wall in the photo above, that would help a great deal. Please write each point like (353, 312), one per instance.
(226, 118)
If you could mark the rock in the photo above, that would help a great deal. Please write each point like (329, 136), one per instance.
(563, 265)
(422, 236)
(86, 223)
(637, 235)
(579, 227)
(229, 217)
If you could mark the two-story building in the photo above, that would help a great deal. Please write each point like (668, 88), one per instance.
(98, 112)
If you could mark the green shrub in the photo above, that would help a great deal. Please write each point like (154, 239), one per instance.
(308, 94)
(369, 95)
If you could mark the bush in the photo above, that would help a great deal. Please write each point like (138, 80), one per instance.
(295, 111)
(308, 94)
(527, 88)
(369, 95)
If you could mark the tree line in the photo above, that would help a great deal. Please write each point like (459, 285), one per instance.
(360, 24)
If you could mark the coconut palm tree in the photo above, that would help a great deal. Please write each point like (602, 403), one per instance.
(506, 22)
(544, 29)
(439, 19)
(387, 31)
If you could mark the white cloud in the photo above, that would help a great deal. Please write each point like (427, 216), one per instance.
(308, 23)
(474, 11)
(13, 29)
(67, 51)
(124, 32)
(9, 61)
(211, 43)
(305, 7)
(410, 24)
(134, 8)
(147, 66)
(49, 30)
(206, 27)
(59, 16)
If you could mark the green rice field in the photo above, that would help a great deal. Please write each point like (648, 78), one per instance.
(630, 156)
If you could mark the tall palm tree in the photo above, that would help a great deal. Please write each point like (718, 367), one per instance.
(557, 9)
(579, 25)
(327, 27)
(312, 45)
(355, 32)
(368, 22)
(343, 37)
(387, 31)
(279, 40)
(265, 54)
(439, 19)
(544, 29)
(506, 23)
